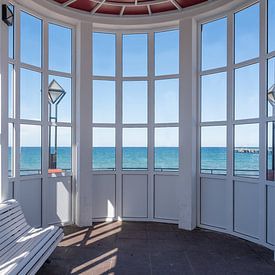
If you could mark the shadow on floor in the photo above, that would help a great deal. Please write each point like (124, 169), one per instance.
(154, 248)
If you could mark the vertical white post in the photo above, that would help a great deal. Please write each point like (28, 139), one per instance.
(188, 123)
(82, 169)
(4, 185)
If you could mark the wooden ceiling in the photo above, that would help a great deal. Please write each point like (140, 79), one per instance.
(128, 7)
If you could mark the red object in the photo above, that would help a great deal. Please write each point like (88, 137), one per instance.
(55, 171)
(117, 7)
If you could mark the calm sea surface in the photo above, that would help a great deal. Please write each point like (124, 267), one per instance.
(213, 159)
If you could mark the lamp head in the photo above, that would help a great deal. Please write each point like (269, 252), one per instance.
(55, 92)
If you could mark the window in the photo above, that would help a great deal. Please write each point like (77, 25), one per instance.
(103, 153)
(270, 173)
(10, 149)
(60, 148)
(134, 148)
(167, 52)
(270, 86)
(104, 101)
(134, 55)
(213, 150)
(60, 57)
(30, 149)
(213, 97)
(271, 25)
(11, 90)
(247, 92)
(134, 100)
(247, 25)
(246, 150)
(30, 94)
(104, 54)
(166, 148)
(31, 39)
(214, 44)
(64, 107)
(167, 101)
(11, 36)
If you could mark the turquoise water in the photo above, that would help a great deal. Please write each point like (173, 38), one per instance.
(213, 159)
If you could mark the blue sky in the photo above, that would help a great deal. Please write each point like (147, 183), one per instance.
(135, 63)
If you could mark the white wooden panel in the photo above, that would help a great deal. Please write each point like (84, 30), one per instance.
(246, 208)
(59, 200)
(166, 197)
(29, 197)
(103, 196)
(134, 196)
(271, 215)
(213, 202)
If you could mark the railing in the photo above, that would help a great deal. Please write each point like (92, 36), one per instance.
(26, 172)
(239, 172)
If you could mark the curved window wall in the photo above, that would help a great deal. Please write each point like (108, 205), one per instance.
(237, 122)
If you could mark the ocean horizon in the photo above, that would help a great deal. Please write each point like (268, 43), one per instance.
(213, 159)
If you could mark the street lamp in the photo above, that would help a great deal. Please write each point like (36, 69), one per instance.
(55, 95)
(271, 100)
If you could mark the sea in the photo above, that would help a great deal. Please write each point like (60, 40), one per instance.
(213, 159)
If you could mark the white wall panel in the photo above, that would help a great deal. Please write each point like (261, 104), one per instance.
(134, 196)
(271, 214)
(166, 201)
(28, 193)
(246, 208)
(59, 200)
(213, 202)
(103, 196)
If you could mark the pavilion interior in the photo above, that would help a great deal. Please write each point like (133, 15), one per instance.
(144, 128)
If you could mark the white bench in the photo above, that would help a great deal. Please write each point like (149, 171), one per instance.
(23, 249)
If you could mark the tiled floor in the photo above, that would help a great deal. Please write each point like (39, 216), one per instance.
(155, 248)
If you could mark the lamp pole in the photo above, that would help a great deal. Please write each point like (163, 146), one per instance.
(55, 95)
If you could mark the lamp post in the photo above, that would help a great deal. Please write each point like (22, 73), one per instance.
(55, 95)
(271, 100)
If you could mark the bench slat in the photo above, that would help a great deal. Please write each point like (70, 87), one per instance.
(5, 206)
(12, 230)
(7, 213)
(38, 252)
(26, 243)
(23, 249)
(11, 241)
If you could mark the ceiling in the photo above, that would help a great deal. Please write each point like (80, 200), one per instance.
(128, 7)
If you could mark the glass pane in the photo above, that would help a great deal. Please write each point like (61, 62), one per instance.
(104, 101)
(167, 148)
(270, 173)
(31, 39)
(167, 101)
(167, 52)
(30, 95)
(104, 54)
(134, 102)
(60, 155)
(271, 25)
(10, 150)
(246, 151)
(247, 25)
(60, 48)
(11, 36)
(30, 149)
(104, 151)
(11, 90)
(213, 97)
(213, 150)
(247, 92)
(134, 55)
(134, 148)
(64, 107)
(271, 86)
(214, 44)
